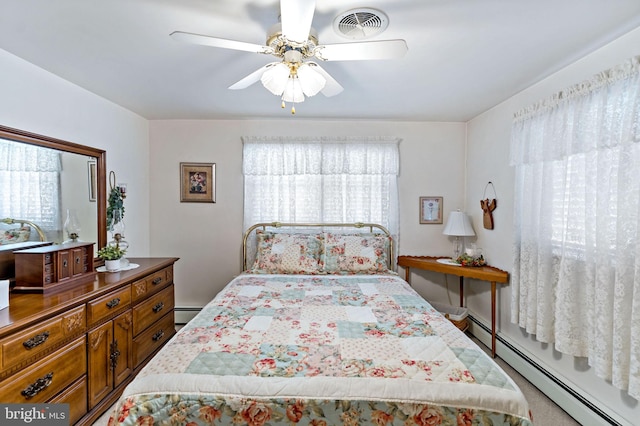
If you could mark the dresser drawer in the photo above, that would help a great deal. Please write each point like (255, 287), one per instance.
(37, 339)
(108, 305)
(152, 338)
(152, 310)
(76, 396)
(47, 377)
(151, 284)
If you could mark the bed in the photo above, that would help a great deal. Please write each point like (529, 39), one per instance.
(319, 330)
(20, 234)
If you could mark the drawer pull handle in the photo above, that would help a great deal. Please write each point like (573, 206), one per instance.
(157, 281)
(77, 260)
(36, 340)
(158, 307)
(39, 385)
(113, 303)
(159, 335)
(115, 354)
(64, 263)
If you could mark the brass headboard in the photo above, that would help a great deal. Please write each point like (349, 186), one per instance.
(277, 225)
(10, 221)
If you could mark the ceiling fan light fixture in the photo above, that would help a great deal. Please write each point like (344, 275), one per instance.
(310, 80)
(293, 80)
(293, 91)
(275, 78)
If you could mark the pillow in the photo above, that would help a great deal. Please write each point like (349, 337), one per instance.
(281, 253)
(355, 253)
(15, 235)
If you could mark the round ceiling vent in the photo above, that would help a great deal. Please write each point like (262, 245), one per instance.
(360, 23)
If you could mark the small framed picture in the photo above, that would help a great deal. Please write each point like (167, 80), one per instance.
(430, 210)
(197, 182)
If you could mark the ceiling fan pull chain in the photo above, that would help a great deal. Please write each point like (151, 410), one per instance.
(293, 106)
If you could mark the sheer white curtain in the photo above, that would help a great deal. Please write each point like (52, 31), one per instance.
(30, 182)
(576, 274)
(323, 179)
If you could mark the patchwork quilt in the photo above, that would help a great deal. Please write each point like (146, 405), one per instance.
(321, 350)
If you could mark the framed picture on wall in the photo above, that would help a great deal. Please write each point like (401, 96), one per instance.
(430, 210)
(93, 180)
(197, 182)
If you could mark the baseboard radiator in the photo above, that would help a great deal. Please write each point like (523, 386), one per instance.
(184, 314)
(582, 408)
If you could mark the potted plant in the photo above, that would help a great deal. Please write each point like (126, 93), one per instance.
(111, 256)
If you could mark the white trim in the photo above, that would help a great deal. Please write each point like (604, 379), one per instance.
(184, 314)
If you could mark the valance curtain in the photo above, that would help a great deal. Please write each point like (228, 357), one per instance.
(576, 271)
(323, 179)
(30, 182)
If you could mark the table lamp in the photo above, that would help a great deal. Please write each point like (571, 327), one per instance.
(458, 226)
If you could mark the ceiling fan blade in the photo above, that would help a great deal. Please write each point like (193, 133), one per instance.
(218, 42)
(252, 78)
(331, 86)
(362, 51)
(296, 17)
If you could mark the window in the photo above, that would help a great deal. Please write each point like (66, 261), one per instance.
(30, 182)
(575, 280)
(312, 180)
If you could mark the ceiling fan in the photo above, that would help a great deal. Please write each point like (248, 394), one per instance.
(295, 42)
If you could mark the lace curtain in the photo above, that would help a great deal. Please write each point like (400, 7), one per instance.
(30, 182)
(311, 180)
(576, 272)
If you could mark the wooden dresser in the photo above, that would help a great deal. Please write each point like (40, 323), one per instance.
(84, 344)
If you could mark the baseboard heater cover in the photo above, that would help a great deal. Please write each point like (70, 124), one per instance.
(547, 374)
(184, 314)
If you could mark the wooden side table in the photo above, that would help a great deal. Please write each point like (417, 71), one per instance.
(482, 273)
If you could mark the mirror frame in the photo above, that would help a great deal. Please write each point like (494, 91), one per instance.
(61, 145)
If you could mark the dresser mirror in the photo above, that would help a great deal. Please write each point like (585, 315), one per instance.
(78, 182)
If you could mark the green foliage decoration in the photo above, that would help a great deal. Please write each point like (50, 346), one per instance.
(111, 253)
(466, 260)
(115, 202)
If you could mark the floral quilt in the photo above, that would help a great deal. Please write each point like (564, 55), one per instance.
(321, 350)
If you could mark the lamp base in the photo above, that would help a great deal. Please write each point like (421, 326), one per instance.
(458, 247)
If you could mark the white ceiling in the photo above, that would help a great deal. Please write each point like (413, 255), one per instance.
(464, 56)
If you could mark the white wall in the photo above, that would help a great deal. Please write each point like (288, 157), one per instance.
(74, 181)
(488, 160)
(37, 101)
(207, 237)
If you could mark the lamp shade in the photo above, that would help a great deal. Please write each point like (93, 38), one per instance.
(293, 90)
(275, 78)
(292, 83)
(458, 225)
(311, 81)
